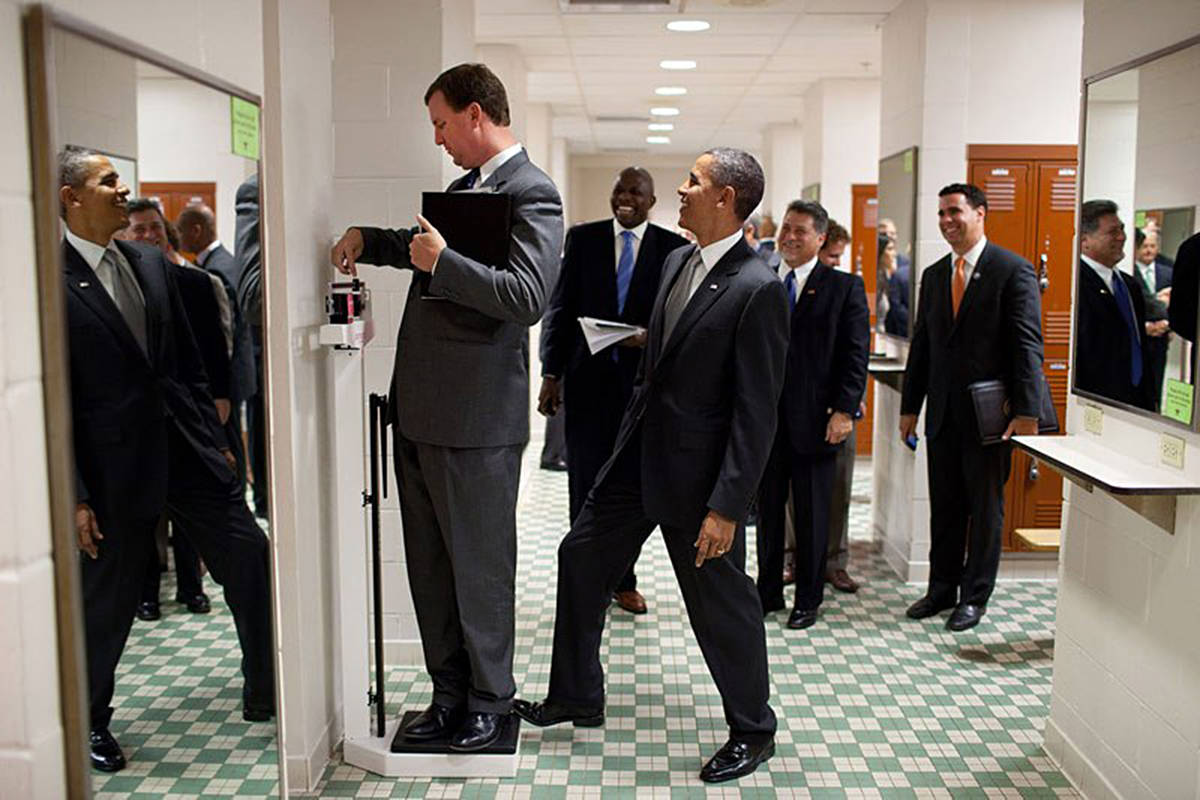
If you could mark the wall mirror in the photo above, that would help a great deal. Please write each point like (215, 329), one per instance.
(152, 286)
(1139, 155)
(895, 288)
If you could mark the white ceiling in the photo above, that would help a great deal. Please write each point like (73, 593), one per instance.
(753, 65)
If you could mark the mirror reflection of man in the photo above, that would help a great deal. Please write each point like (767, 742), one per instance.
(147, 441)
(1154, 278)
(691, 449)
(1110, 317)
(978, 319)
(460, 407)
(611, 269)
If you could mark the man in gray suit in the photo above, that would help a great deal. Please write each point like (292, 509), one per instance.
(460, 407)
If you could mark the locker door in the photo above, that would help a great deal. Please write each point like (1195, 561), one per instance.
(864, 220)
(1010, 212)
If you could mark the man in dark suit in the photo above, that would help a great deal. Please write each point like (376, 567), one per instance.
(460, 407)
(1154, 279)
(611, 270)
(1185, 288)
(978, 319)
(147, 441)
(688, 458)
(823, 385)
(1110, 318)
(247, 253)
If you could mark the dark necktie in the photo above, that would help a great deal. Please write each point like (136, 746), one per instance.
(471, 179)
(624, 270)
(681, 292)
(790, 284)
(125, 295)
(1125, 304)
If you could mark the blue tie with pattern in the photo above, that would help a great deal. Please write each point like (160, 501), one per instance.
(472, 177)
(790, 283)
(1125, 304)
(624, 270)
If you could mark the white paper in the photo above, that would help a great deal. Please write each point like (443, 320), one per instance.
(602, 333)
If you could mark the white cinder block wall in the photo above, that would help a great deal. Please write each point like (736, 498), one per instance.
(1125, 705)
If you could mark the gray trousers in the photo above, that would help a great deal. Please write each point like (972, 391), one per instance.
(838, 552)
(459, 510)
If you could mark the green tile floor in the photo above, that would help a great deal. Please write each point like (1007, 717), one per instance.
(870, 704)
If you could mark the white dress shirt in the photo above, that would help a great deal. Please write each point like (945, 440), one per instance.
(638, 233)
(1148, 273)
(971, 257)
(93, 254)
(710, 255)
(495, 162)
(802, 273)
(203, 255)
(1105, 273)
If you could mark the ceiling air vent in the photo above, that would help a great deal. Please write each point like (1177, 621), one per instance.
(623, 6)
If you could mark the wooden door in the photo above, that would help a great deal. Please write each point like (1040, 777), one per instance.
(864, 219)
(174, 197)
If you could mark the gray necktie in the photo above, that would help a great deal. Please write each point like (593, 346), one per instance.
(129, 303)
(681, 292)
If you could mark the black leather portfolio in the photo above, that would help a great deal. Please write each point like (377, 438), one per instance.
(474, 224)
(993, 411)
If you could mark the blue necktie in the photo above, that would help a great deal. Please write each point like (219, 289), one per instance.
(790, 283)
(1125, 304)
(472, 177)
(624, 270)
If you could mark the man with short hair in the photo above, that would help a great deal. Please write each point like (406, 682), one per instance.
(1110, 320)
(823, 386)
(1154, 279)
(978, 319)
(690, 451)
(610, 270)
(459, 407)
(147, 440)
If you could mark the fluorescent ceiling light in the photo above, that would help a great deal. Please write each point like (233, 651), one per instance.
(660, 126)
(664, 111)
(688, 25)
(682, 63)
(670, 91)
(658, 139)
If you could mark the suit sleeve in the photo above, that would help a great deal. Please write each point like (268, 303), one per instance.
(387, 247)
(205, 321)
(1022, 306)
(191, 368)
(850, 349)
(916, 371)
(760, 356)
(559, 329)
(516, 291)
(1185, 289)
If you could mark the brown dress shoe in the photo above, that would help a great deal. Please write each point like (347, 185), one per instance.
(842, 581)
(632, 601)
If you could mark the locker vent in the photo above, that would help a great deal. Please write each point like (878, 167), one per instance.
(1047, 514)
(1058, 328)
(1062, 193)
(1001, 193)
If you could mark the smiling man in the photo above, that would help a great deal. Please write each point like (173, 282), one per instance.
(460, 407)
(611, 270)
(689, 453)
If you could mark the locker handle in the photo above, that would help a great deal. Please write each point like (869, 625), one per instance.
(1044, 273)
(1033, 470)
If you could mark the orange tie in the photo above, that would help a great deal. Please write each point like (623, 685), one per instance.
(959, 286)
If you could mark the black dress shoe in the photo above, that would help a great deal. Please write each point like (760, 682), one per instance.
(258, 712)
(965, 616)
(436, 722)
(551, 713)
(148, 611)
(772, 607)
(197, 604)
(479, 730)
(736, 758)
(927, 607)
(106, 753)
(802, 618)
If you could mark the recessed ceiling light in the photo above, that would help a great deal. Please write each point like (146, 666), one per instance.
(658, 139)
(688, 25)
(670, 91)
(664, 111)
(660, 126)
(682, 63)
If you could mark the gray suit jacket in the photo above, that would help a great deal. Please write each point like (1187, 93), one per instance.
(461, 377)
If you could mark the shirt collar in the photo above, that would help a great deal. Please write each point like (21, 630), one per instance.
(972, 255)
(1104, 272)
(495, 162)
(92, 253)
(714, 252)
(203, 254)
(638, 231)
(802, 271)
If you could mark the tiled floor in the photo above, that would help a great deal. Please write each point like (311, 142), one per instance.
(870, 704)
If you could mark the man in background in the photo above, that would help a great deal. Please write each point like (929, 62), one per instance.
(1154, 279)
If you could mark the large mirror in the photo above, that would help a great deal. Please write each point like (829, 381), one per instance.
(1139, 192)
(151, 277)
(895, 288)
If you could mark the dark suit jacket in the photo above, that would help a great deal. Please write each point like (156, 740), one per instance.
(204, 317)
(461, 377)
(1185, 288)
(827, 357)
(997, 335)
(899, 292)
(1163, 274)
(243, 382)
(706, 399)
(222, 262)
(587, 287)
(1102, 344)
(123, 399)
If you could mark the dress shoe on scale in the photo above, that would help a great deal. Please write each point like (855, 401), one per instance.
(737, 757)
(478, 731)
(106, 753)
(550, 713)
(966, 615)
(928, 607)
(436, 722)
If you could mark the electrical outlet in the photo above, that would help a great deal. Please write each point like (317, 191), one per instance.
(1093, 419)
(1171, 450)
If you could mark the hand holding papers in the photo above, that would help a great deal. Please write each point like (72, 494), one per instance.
(602, 333)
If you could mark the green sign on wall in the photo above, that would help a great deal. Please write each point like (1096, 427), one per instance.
(1177, 401)
(243, 126)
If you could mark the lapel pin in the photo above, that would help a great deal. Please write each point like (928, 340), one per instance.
(975, 277)
(812, 291)
(712, 286)
(84, 284)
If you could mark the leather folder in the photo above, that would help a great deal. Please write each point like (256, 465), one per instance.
(993, 411)
(475, 224)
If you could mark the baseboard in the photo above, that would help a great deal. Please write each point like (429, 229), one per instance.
(304, 772)
(1077, 767)
(403, 653)
(908, 570)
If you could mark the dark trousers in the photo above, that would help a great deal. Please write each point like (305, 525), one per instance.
(188, 582)
(1156, 368)
(256, 429)
(966, 498)
(459, 510)
(225, 535)
(810, 479)
(720, 599)
(837, 554)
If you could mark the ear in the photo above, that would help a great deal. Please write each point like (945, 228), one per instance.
(476, 113)
(653, 200)
(67, 196)
(726, 197)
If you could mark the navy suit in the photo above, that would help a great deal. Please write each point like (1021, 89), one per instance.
(1103, 348)
(597, 388)
(826, 372)
(1155, 348)
(1185, 288)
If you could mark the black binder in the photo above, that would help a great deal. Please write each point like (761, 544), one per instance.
(993, 411)
(474, 224)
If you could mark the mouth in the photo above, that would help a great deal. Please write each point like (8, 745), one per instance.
(625, 211)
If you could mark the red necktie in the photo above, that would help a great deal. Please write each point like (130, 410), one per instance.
(959, 286)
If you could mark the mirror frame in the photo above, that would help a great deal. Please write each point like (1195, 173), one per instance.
(1092, 397)
(40, 23)
(914, 270)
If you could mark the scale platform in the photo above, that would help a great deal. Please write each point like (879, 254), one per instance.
(394, 757)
